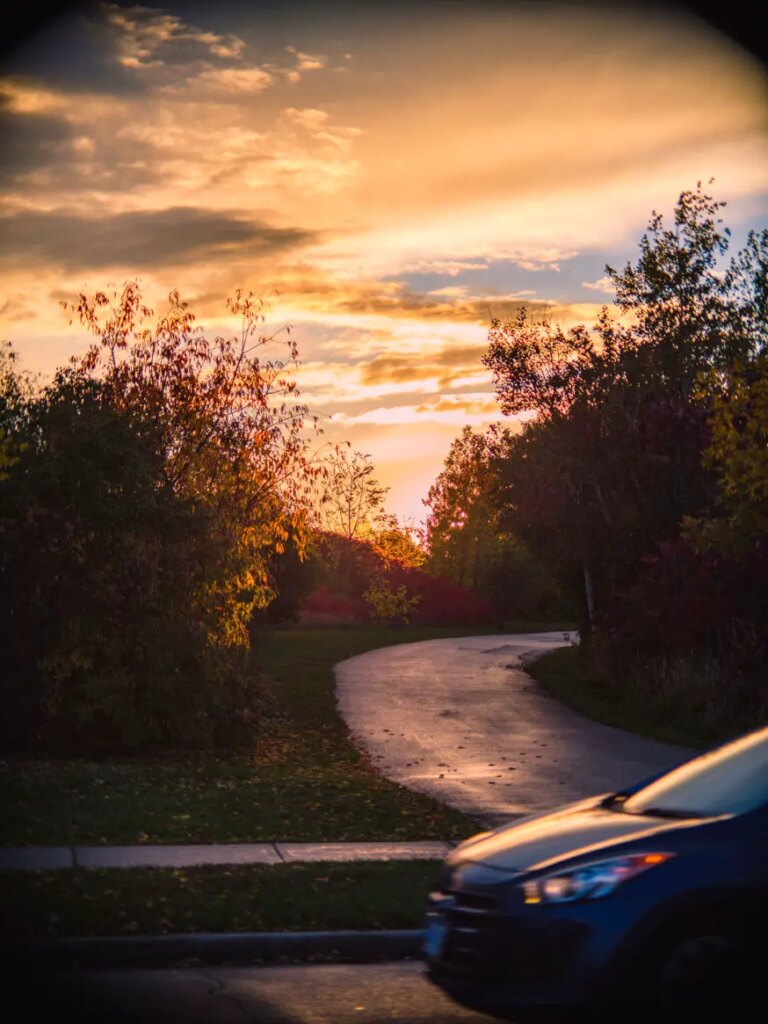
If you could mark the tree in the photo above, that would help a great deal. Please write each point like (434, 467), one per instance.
(229, 426)
(465, 536)
(612, 461)
(398, 542)
(351, 500)
(105, 634)
(738, 454)
(6, 455)
(460, 527)
(156, 479)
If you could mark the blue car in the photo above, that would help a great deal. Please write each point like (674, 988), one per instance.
(654, 898)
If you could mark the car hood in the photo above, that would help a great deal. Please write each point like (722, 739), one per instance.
(534, 843)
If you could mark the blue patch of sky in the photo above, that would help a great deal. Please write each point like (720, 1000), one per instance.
(506, 277)
(755, 217)
(567, 284)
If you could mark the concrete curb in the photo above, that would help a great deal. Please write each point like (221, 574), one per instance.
(54, 858)
(209, 948)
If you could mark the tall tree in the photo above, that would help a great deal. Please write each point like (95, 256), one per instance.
(230, 427)
(612, 461)
(466, 539)
(351, 498)
(156, 478)
(738, 454)
(460, 528)
(398, 541)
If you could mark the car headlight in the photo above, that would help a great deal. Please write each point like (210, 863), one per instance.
(591, 880)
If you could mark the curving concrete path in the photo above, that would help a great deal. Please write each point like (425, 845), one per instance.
(461, 721)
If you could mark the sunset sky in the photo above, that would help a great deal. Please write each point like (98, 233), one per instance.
(399, 174)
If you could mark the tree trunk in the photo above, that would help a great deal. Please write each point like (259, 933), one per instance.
(589, 593)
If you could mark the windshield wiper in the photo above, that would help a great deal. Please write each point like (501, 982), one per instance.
(618, 802)
(670, 812)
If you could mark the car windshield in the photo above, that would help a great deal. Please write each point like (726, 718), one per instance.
(730, 780)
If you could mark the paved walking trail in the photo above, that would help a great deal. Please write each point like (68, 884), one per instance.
(460, 720)
(457, 719)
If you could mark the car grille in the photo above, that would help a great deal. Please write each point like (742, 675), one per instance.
(473, 920)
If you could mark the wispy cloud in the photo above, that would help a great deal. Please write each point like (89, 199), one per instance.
(147, 38)
(603, 284)
(444, 366)
(236, 82)
(303, 62)
(454, 410)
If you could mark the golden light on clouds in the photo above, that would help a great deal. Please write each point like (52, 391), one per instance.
(391, 178)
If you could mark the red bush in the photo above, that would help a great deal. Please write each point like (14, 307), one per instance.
(681, 602)
(441, 602)
(323, 605)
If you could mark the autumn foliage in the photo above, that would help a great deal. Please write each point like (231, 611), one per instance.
(343, 572)
(145, 492)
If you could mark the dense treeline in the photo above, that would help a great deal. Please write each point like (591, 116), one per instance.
(159, 504)
(470, 544)
(641, 482)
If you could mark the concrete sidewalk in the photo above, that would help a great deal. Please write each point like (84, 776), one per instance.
(49, 858)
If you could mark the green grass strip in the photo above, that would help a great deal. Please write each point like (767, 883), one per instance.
(296, 897)
(303, 780)
(627, 703)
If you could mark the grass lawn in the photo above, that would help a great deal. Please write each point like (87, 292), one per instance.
(295, 897)
(303, 780)
(562, 673)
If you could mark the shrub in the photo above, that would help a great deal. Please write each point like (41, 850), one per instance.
(444, 603)
(388, 603)
(323, 605)
(147, 492)
(114, 635)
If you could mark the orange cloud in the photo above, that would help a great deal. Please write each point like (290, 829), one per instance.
(444, 366)
(459, 415)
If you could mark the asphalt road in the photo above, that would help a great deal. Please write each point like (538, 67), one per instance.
(395, 993)
(461, 720)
